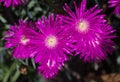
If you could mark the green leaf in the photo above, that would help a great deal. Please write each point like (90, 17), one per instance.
(3, 19)
(7, 75)
(15, 77)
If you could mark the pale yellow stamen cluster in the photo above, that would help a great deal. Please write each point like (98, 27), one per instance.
(24, 40)
(82, 26)
(51, 41)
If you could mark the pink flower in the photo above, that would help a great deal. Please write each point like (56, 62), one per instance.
(116, 4)
(13, 3)
(90, 30)
(50, 45)
(17, 38)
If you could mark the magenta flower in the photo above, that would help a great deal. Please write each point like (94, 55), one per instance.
(116, 4)
(17, 38)
(90, 30)
(99, 45)
(50, 67)
(51, 44)
(8, 3)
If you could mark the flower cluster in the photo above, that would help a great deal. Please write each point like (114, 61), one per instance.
(50, 40)
(47, 41)
(13, 3)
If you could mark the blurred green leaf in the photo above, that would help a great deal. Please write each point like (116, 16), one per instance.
(31, 4)
(8, 73)
(3, 19)
(15, 76)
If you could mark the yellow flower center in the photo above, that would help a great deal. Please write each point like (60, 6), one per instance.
(82, 26)
(51, 41)
(24, 40)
